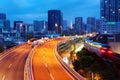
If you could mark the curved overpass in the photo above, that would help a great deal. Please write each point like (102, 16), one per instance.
(12, 63)
(47, 65)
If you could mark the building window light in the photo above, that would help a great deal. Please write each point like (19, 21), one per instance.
(113, 12)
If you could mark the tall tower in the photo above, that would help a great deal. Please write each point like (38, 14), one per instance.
(110, 10)
(91, 27)
(71, 25)
(78, 25)
(2, 22)
(54, 21)
(2, 16)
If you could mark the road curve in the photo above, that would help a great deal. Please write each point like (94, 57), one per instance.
(12, 63)
(45, 65)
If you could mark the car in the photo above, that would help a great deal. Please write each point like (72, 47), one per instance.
(31, 40)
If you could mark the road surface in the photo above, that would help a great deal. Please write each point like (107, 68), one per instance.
(12, 63)
(45, 64)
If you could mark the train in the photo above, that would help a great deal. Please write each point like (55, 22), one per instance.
(101, 49)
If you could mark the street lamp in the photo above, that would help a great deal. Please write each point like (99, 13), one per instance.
(56, 25)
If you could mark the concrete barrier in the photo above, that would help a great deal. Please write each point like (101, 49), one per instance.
(115, 46)
(28, 73)
(71, 71)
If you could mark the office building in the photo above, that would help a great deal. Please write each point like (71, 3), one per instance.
(79, 25)
(2, 16)
(2, 22)
(110, 10)
(54, 21)
(17, 25)
(110, 28)
(40, 26)
(65, 27)
(98, 22)
(91, 24)
(7, 25)
(37, 26)
(1, 26)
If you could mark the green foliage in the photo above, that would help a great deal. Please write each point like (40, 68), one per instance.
(108, 74)
(88, 63)
(76, 65)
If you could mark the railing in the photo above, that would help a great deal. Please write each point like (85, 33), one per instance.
(28, 73)
(71, 71)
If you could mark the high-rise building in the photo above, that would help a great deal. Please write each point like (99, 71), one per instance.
(110, 28)
(91, 27)
(98, 21)
(78, 25)
(1, 26)
(19, 28)
(7, 25)
(37, 26)
(28, 28)
(17, 24)
(54, 21)
(2, 21)
(2, 16)
(110, 10)
(40, 26)
(65, 27)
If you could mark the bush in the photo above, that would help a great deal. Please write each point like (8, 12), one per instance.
(1, 48)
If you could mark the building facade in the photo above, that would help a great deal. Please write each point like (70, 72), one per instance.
(65, 27)
(4, 24)
(91, 27)
(2, 16)
(7, 25)
(110, 10)
(40, 26)
(78, 25)
(17, 25)
(110, 28)
(55, 21)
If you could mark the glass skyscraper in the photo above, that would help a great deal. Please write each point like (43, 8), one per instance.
(110, 10)
(79, 25)
(2, 16)
(54, 21)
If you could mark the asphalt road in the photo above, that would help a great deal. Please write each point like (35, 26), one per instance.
(12, 63)
(45, 64)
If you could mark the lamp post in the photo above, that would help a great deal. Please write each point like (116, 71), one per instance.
(56, 25)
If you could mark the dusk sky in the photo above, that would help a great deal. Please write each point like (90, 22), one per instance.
(29, 10)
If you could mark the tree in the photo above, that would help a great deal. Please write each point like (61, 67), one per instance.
(76, 65)
(86, 61)
(1, 48)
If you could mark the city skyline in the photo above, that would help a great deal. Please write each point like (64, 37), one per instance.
(29, 10)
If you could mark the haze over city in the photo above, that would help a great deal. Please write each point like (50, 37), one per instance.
(29, 10)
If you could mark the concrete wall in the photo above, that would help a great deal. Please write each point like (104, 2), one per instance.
(115, 47)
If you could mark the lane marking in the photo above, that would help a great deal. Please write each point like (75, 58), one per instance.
(10, 65)
(51, 76)
(46, 65)
(3, 78)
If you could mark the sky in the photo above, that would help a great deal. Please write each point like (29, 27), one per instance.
(29, 10)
